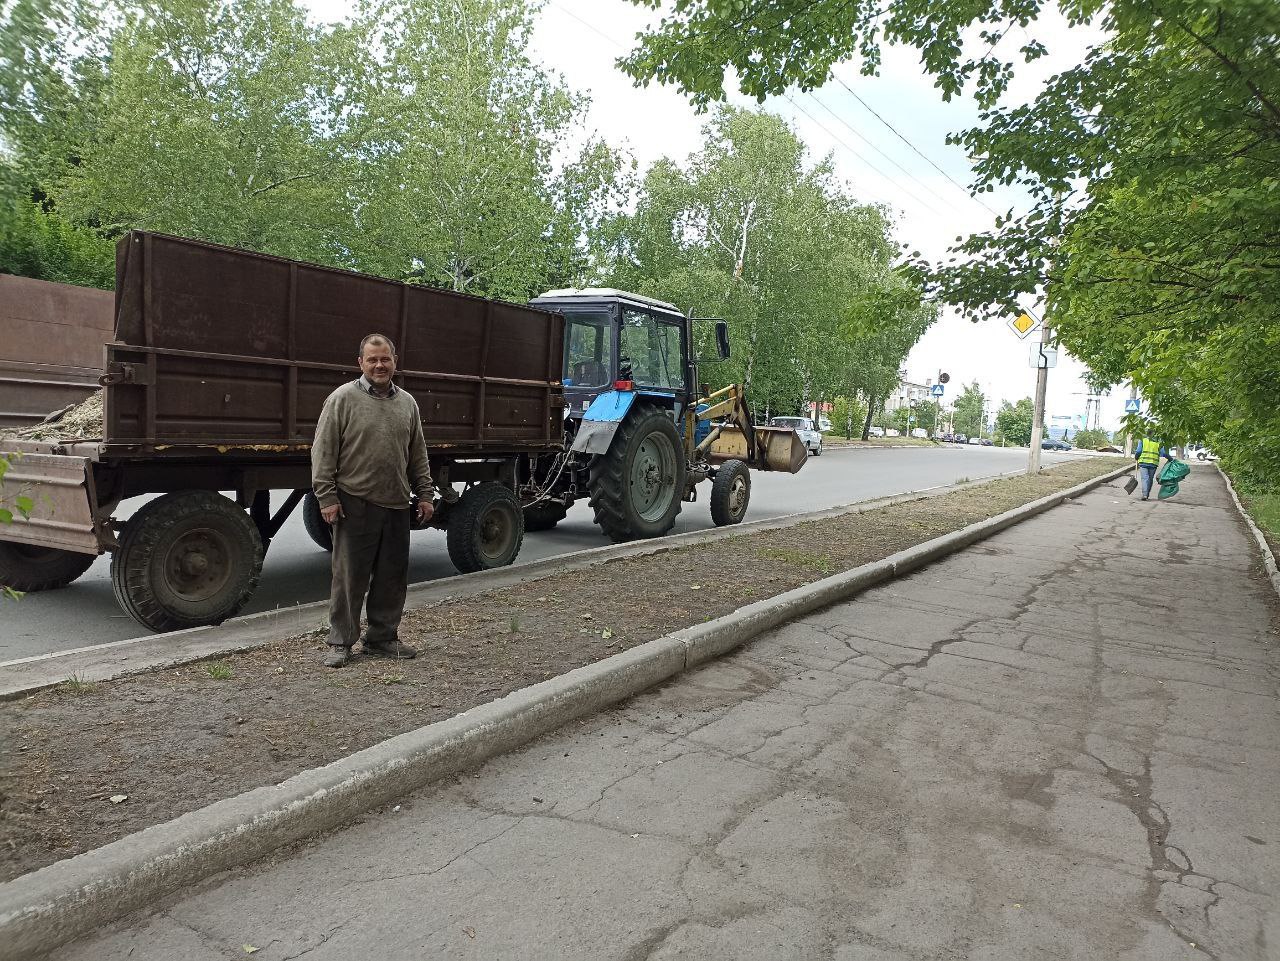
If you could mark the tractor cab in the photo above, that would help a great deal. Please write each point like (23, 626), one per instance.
(612, 336)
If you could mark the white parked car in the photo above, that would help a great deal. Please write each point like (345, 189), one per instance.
(824, 423)
(1204, 453)
(875, 432)
(805, 427)
(919, 432)
(892, 433)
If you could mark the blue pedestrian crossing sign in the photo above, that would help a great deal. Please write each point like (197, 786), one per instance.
(1133, 406)
(937, 390)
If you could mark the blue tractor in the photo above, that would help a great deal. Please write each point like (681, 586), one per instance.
(641, 434)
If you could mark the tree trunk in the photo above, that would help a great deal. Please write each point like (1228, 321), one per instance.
(871, 412)
(848, 418)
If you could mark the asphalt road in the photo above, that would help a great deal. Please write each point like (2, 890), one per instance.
(296, 571)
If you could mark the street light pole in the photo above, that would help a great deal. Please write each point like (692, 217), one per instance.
(1037, 418)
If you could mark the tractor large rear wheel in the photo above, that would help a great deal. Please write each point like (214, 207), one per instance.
(637, 487)
(186, 560)
(25, 567)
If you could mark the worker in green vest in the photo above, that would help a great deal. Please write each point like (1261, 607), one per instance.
(1148, 454)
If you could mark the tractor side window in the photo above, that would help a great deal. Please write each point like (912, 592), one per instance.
(586, 360)
(653, 349)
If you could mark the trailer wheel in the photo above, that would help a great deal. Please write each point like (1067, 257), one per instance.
(317, 528)
(636, 488)
(544, 516)
(485, 528)
(730, 493)
(26, 567)
(185, 560)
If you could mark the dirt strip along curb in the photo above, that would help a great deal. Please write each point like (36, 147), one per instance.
(1268, 558)
(68, 899)
(104, 662)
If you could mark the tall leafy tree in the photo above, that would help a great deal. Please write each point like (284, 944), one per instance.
(459, 129)
(749, 229)
(1151, 165)
(967, 410)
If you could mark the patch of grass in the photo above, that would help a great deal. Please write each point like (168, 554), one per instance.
(75, 684)
(1265, 509)
(393, 679)
(964, 480)
(514, 626)
(809, 560)
(218, 670)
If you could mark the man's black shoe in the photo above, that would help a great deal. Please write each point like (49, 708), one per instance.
(394, 648)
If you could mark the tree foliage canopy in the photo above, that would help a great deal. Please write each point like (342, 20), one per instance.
(746, 229)
(1154, 228)
(413, 140)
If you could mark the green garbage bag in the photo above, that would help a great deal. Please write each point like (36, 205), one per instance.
(1171, 474)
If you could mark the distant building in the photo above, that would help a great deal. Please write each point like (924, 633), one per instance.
(906, 394)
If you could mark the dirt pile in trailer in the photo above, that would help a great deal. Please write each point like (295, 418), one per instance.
(83, 421)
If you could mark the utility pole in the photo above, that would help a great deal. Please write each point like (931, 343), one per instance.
(1037, 419)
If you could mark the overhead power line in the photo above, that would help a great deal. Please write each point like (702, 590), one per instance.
(842, 142)
(916, 149)
(870, 143)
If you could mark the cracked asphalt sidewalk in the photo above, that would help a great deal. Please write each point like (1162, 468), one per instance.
(1063, 742)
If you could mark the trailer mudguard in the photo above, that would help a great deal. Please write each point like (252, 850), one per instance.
(601, 420)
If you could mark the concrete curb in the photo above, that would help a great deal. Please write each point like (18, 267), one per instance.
(56, 904)
(1268, 558)
(103, 662)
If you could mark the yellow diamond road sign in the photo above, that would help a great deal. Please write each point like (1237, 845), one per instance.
(1023, 324)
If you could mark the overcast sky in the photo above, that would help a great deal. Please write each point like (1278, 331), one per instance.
(581, 39)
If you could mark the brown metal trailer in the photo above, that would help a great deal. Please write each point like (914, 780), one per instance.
(220, 362)
(51, 338)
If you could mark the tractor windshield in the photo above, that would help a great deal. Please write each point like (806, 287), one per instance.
(588, 346)
(653, 348)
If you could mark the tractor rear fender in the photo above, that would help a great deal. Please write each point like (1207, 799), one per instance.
(600, 421)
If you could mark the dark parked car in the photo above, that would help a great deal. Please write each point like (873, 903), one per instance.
(1054, 445)
(987, 442)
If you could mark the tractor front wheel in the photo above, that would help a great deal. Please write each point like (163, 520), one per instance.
(730, 493)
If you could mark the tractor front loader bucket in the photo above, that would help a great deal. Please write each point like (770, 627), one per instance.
(777, 448)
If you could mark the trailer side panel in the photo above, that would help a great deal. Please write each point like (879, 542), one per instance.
(224, 348)
(51, 338)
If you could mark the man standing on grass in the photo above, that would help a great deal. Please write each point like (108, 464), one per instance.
(1148, 457)
(368, 457)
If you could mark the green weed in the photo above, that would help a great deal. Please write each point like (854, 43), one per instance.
(218, 670)
(75, 684)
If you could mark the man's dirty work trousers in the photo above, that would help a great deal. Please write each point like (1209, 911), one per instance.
(370, 553)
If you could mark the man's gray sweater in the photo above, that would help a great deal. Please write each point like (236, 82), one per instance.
(371, 447)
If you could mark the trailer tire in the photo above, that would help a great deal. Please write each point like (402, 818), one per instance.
(26, 567)
(544, 516)
(637, 487)
(318, 528)
(485, 528)
(186, 560)
(730, 493)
